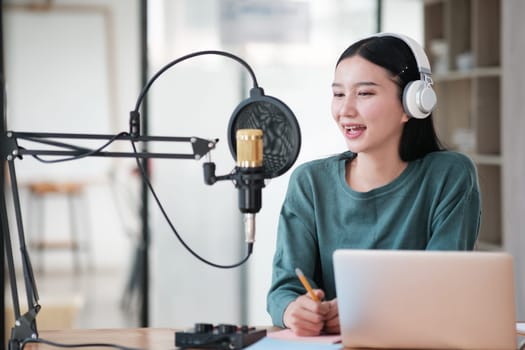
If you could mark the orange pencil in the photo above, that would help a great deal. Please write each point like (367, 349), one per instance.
(306, 285)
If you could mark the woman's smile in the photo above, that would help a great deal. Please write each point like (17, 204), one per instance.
(354, 131)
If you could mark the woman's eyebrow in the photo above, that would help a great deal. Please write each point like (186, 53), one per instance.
(361, 83)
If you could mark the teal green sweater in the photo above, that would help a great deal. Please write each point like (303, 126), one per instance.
(434, 204)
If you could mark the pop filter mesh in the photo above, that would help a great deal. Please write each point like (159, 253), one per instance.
(281, 134)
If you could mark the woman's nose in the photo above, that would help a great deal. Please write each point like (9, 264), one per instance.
(348, 107)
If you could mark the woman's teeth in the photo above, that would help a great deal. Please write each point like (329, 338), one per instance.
(355, 128)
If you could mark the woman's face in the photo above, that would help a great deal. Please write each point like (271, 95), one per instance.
(366, 106)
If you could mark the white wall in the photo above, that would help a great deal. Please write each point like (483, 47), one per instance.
(74, 68)
(403, 16)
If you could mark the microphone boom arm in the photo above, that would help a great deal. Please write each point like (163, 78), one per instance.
(10, 147)
(25, 325)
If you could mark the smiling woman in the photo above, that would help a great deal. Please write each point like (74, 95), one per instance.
(394, 187)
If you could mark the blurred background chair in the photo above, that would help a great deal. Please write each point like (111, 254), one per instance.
(41, 234)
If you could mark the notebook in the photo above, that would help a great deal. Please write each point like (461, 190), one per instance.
(425, 299)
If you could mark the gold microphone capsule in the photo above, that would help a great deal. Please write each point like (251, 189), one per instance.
(249, 148)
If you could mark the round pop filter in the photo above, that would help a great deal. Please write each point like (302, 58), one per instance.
(281, 133)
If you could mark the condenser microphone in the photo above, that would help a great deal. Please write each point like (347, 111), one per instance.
(250, 179)
(264, 139)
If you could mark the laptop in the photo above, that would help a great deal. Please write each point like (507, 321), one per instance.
(425, 299)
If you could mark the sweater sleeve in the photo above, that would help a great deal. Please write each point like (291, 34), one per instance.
(296, 246)
(456, 221)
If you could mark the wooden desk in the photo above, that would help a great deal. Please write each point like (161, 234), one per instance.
(143, 338)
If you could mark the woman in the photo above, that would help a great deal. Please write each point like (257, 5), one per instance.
(395, 187)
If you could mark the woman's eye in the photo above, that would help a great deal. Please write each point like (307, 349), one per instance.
(365, 93)
(338, 94)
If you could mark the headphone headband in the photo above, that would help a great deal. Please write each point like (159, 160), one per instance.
(419, 98)
(423, 65)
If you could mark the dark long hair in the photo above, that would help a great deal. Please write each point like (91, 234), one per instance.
(419, 135)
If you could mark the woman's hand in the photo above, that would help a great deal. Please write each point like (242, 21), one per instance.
(331, 325)
(306, 317)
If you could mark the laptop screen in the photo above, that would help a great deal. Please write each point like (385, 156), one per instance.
(425, 299)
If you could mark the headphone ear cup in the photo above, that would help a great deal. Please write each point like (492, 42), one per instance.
(419, 99)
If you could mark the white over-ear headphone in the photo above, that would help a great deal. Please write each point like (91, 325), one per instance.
(419, 98)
